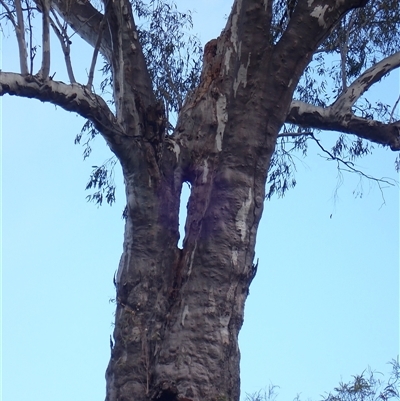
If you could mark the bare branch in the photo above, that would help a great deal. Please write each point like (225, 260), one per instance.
(349, 164)
(74, 97)
(61, 33)
(32, 50)
(9, 14)
(339, 115)
(131, 80)
(96, 52)
(85, 20)
(346, 100)
(45, 9)
(307, 115)
(344, 47)
(20, 32)
(394, 109)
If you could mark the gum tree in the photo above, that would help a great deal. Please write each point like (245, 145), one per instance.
(179, 309)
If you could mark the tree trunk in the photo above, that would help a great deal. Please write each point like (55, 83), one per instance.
(179, 311)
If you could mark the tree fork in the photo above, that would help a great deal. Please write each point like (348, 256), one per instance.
(179, 311)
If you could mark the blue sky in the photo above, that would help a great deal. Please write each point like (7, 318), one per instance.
(323, 306)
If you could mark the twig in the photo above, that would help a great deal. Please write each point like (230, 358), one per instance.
(294, 134)
(393, 110)
(350, 165)
(9, 14)
(32, 51)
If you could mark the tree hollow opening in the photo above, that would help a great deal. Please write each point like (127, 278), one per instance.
(185, 195)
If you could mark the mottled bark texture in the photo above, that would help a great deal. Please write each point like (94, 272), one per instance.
(179, 311)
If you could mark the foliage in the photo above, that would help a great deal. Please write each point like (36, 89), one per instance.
(172, 55)
(174, 63)
(367, 386)
(363, 36)
(281, 176)
(90, 133)
(102, 179)
(267, 394)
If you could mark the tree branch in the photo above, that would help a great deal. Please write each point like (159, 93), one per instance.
(85, 20)
(344, 47)
(133, 92)
(307, 115)
(96, 52)
(372, 75)
(20, 32)
(311, 22)
(9, 14)
(61, 33)
(32, 50)
(352, 169)
(394, 109)
(119, 43)
(350, 165)
(45, 68)
(74, 97)
(339, 115)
